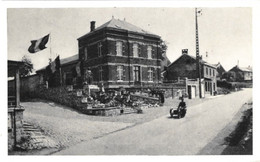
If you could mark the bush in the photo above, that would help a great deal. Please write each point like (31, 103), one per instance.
(224, 84)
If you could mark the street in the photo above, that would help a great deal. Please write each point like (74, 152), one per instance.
(168, 136)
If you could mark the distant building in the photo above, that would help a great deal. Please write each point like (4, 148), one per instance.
(185, 67)
(120, 54)
(220, 71)
(241, 74)
(68, 73)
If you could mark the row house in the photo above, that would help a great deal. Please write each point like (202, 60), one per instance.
(186, 67)
(120, 54)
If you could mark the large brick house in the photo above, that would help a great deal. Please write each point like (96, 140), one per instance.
(186, 67)
(120, 54)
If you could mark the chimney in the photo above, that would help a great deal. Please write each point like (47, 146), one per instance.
(92, 25)
(184, 51)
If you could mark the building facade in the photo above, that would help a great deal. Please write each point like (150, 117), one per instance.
(120, 54)
(241, 74)
(186, 67)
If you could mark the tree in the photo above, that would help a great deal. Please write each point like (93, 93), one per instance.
(27, 68)
(163, 48)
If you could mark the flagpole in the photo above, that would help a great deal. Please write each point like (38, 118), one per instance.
(60, 72)
(50, 48)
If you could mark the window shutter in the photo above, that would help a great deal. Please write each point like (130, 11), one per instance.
(116, 45)
(153, 53)
(123, 48)
(154, 74)
(117, 73)
(133, 73)
(124, 73)
(139, 50)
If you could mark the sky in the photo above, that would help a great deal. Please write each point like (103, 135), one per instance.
(225, 33)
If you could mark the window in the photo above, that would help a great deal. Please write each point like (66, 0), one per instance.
(99, 49)
(119, 48)
(135, 50)
(213, 72)
(150, 74)
(206, 86)
(207, 71)
(136, 75)
(120, 72)
(100, 71)
(86, 53)
(149, 52)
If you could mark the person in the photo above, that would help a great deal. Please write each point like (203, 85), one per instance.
(182, 104)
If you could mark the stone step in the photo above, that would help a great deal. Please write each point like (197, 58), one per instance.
(27, 127)
(38, 137)
(25, 123)
(31, 129)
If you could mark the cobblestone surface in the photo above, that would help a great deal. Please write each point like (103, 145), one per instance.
(63, 126)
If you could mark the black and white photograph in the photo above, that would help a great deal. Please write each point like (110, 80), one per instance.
(156, 81)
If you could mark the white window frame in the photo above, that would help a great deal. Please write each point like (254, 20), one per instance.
(120, 72)
(150, 74)
(137, 68)
(119, 48)
(135, 50)
(149, 52)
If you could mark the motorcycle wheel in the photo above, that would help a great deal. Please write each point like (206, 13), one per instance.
(179, 115)
(171, 113)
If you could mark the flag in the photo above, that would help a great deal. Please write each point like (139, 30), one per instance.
(38, 45)
(55, 65)
(199, 12)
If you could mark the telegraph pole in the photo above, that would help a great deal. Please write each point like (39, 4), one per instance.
(198, 52)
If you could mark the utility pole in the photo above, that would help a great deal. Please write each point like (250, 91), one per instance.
(198, 52)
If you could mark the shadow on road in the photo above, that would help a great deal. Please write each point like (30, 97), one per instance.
(174, 117)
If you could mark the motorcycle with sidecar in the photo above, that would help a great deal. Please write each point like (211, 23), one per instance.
(179, 112)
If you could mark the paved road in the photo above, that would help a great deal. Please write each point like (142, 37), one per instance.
(167, 136)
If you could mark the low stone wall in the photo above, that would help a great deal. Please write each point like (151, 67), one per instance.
(60, 95)
(113, 111)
